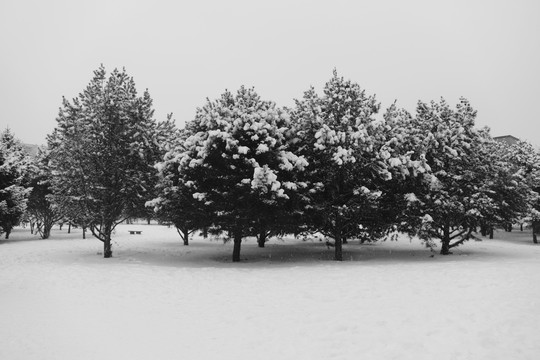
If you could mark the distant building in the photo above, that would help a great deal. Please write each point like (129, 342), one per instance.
(509, 139)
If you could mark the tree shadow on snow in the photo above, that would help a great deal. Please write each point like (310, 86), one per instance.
(276, 254)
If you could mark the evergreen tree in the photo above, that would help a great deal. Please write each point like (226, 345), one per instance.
(350, 160)
(42, 209)
(407, 165)
(14, 167)
(509, 187)
(465, 187)
(174, 202)
(236, 163)
(102, 152)
(523, 160)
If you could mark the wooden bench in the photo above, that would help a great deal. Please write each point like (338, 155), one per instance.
(132, 232)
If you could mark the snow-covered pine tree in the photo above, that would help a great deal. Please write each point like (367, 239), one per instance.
(14, 190)
(455, 197)
(165, 135)
(236, 163)
(523, 160)
(345, 146)
(174, 202)
(406, 159)
(509, 187)
(103, 150)
(42, 209)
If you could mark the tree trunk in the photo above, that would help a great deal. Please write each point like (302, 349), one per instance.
(445, 248)
(107, 245)
(184, 234)
(32, 227)
(534, 230)
(338, 249)
(261, 239)
(8, 231)
(84, 232)
(535, 240)
(237, 243)
(46, 231)
(483, 230)
(521, 226)
(69, 227)
(186, 237)
(491, 232)
(107, 248)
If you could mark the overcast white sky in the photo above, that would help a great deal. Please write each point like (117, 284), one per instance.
(185, 51)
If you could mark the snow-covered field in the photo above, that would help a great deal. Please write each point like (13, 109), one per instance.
(157, 299)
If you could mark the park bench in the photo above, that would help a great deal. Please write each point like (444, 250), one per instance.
(132, 232)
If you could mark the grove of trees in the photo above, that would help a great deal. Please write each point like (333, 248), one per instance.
(332, 164)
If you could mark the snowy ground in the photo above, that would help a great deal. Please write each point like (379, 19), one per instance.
(157, 299)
